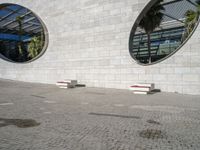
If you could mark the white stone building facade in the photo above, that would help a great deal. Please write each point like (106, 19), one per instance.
(89, 42)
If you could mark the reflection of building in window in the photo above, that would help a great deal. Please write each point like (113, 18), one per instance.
(18, 26)
(163, 42)
(168, 37)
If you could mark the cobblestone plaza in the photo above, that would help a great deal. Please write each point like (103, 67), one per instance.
(44, 117)
(88, 41)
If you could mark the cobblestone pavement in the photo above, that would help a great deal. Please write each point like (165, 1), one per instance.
(43, 117)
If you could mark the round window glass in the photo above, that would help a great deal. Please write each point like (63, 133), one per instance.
(23, 36)
(162, 28)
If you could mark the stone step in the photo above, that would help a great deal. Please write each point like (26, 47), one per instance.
(67, 83)
(140, 92)
(142, 88)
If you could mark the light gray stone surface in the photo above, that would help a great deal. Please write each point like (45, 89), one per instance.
(88, 41)
(96, 119)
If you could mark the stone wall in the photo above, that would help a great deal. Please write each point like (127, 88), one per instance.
(88, 41)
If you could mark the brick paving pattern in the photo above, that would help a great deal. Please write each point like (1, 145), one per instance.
(43, 117)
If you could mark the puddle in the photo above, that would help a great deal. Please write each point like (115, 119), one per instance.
(153, 122)
(20, 123)
(152, 134)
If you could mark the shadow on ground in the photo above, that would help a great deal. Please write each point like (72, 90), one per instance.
(20, 123)
(155, 91)
(114, 115)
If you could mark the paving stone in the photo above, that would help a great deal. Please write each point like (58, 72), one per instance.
(96, 119)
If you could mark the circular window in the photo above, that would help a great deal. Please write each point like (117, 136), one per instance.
(162, 28)
(23, 36)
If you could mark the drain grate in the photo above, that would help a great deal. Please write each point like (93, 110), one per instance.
(153, 122)
(152, 134)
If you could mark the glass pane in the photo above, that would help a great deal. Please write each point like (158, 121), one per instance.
(163, 29)
(22, 35)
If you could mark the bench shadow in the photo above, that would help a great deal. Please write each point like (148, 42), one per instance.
(80, 85)
(155, 91)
